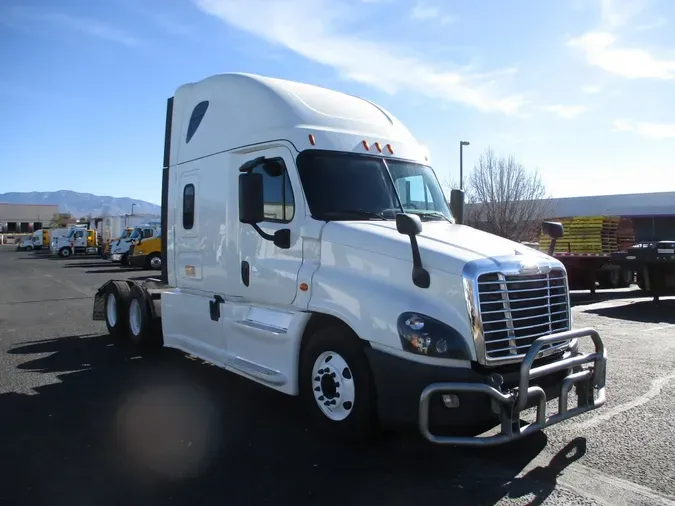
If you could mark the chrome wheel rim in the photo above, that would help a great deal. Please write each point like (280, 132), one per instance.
(111, 309)
(333, 386)
(135, 317)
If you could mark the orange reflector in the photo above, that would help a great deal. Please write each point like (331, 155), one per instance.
(378, 147)
(391, 150)
(304, 287)
(312, 140)
(365, 145)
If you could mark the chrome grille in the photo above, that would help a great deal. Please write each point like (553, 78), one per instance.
(517, 309)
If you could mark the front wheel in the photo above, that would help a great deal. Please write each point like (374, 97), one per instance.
(64, 252)
(336, 385)
(154, 262)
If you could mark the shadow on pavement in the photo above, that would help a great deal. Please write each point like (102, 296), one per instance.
(647, 311)
(100, 263)
(585, 298)
(122, 428)
(114, 270)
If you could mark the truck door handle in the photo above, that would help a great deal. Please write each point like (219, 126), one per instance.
(245, 271)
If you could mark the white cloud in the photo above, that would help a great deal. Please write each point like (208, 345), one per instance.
(617, 13)
(316, 30)
(630, 63)
(591, 89)
(566, 111)
(658, 23)
(653, 130)
(425, 12)
(621, 125)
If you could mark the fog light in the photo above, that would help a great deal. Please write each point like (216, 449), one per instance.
(450, 401)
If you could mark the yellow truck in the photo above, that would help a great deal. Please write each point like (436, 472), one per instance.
(147, 253)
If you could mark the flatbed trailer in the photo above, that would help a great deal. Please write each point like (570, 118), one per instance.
(654, 263)
(585, 269)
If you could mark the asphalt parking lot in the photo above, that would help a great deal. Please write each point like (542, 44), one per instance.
(83, 418)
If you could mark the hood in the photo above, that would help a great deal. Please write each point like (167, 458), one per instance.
(443, 246)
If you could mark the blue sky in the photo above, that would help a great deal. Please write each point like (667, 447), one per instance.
(582, 90)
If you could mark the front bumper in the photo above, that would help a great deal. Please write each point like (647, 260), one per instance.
(116, 257)
(137, 260)
(416, 393)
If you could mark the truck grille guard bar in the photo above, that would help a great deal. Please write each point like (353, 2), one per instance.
(512, 403)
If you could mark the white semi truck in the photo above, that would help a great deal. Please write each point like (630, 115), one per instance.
(308, 247)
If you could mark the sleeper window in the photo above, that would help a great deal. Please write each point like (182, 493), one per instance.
(277, 192)
(188, 206)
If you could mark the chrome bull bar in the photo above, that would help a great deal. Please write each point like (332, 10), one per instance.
(588, 382)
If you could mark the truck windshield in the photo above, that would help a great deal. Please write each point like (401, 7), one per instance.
(135, 234)
(347, 186)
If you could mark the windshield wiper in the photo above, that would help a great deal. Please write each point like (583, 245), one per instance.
(431, 214)
(360, 213)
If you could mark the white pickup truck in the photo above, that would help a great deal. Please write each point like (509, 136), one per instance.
(308, 247)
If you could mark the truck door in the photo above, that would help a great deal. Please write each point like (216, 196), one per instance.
(269, 273)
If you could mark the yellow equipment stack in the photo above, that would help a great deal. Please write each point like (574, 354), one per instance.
(590, 235)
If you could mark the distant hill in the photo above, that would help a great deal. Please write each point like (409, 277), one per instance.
(82, 204)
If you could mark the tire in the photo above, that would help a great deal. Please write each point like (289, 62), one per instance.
(153, 262)
(29, 248)
(626, 278)
(142, 327)
(65, 252)
(116, 304)
(334, 353)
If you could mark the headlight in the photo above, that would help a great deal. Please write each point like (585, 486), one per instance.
(424, 335)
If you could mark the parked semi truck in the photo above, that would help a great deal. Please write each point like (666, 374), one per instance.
(80, 240)
(147, 253)
(119, 251)
(307, 246)
(107, 247)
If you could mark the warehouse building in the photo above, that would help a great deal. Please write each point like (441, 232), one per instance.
(25, 218)
(652, 214)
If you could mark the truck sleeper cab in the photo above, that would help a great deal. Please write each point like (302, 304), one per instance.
(308, 246)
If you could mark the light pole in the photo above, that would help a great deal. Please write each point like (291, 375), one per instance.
(461, 163)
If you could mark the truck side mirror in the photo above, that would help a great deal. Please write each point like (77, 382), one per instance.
(408, 224)
(553, 229)
(252, 209)
(457, 205)
(251, 202)
(411, 225)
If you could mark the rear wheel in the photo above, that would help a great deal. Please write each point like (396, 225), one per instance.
(116, 303)
(336, 386)
(143, 328)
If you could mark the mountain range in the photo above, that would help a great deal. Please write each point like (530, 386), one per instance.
(83, 204)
